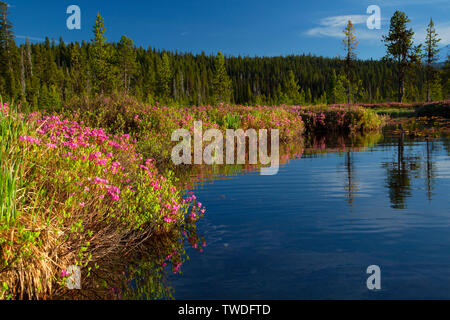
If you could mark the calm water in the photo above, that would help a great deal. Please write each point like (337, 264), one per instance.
(311, 231)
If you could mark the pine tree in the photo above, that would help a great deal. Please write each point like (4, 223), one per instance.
(378, 95)
(29, 60)
(436, 89)
(401, 49)
(222, 85)
(7, 46)
(77, 73)
(332, 88)
(308, 98)
(6, 33)
(431, 52)
(164, 77)
(350, 44)
(103, 72)
(23, 84)
(50, 69)
(322, 100)
(127, 62)
(340, 90)
(292, 90)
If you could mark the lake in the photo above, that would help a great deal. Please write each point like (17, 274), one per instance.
(337, 206)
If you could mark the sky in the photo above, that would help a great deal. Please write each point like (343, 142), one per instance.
(235, 27)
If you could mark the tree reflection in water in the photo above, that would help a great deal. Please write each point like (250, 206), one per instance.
(146, 273)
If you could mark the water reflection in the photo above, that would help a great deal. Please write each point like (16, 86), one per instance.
(398, 176)
(334, 203)
(143, 272)
(430, 176)
(310, 147)
(446, 142)
(410, 165)
(351, 185)
(297, 221)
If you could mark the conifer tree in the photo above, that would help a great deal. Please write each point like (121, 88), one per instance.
(103, 72)
(332, 88)
(436, 90)
(164, 77)
(127, 62)
(28, 59)
(76, 70)
(23, 84)
(340, 90)
(222, 85)
(350, 44)
(292, 89)
(308, 98)
(431, 52)
(401, 49)
(7, 46)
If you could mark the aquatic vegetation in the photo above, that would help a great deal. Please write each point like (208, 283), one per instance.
(427, 127)
(339, 119)
(417, 109)
(437, 109)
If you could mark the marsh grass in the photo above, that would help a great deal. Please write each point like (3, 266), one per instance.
(396, 113)
(10, 164)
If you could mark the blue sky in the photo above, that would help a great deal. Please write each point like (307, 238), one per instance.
(236, 27)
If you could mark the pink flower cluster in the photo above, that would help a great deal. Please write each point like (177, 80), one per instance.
(96, 151)
(64, 274)
(30, 140)
(4, 109)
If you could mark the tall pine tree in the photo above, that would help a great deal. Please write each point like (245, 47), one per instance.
(350, 44)
(401, 49)
(431, 52)
(292, 90)
(164, 77)
(103, 71)
(7, 46)
(222, 84)
(127, 62)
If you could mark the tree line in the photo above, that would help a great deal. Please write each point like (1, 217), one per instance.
(49, 74)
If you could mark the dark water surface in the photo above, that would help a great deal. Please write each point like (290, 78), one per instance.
(311, 231)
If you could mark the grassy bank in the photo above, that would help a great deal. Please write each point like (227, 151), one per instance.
(409, 110)
(73, 195)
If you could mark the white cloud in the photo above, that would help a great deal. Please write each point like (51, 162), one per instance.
(29, 38)
(334, 26)
(341, 21)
